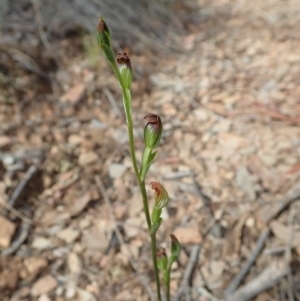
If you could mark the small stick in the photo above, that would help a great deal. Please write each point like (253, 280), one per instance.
(188, 271)
(288, 254)
(267, 279)
(28, 175)
(275, 250)
(177, 175)
(14, 211)
(235, 282)
(21, 237)
(207, 294)
(105, 196)
(206, 201)
(292, 195)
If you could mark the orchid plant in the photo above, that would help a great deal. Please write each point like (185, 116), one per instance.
(153, 130)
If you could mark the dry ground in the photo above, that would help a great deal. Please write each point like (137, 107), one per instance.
(230, 155)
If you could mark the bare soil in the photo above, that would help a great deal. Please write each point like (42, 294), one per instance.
(228, 92)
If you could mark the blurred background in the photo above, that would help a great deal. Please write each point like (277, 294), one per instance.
(225, 78)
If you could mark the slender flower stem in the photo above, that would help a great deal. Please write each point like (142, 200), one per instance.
(145, 203)
(127, 107)
(154, 259)
(168, 283)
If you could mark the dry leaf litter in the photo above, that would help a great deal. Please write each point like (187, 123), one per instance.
(230, 104)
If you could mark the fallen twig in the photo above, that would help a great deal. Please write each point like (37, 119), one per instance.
(21, 237)
(292, 195)
(177, 175)
(14, 211)
(207, 294)
(105, 196)
(184, 286)
(267, 279)
(28, 175)
(235, 282)
(288, 255)
(206, 201)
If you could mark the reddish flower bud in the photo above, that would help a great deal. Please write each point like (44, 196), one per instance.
(152, 131)
(103, 32)
(162, 259)
(124, 66)
(103, 35)
(160, 195)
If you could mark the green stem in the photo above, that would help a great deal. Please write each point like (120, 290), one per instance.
(127, 107)
(145, 203)
(144, 167)
(168, 283)
(156, 271)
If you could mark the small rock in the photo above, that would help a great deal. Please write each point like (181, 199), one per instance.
(83, 295)
(61, 252)
(4, 141)
(84, 223)
(74, 264)
(78, 248)
(43, 286)
(250, 222)
(71, 286)
(87, 158)
(222, 126)
(245, 182)
(75, 139)
(32, 267)
(201, 114)
(189, 235)
(41, 243)
(69, 235)
(96, 124)
(75, 268)
(8, 160)
(21, 293)
(74, 95)
(55, 229)
(117, 170)
(217, 267)
(7, 230)
(80, 203)
(44, 298)
(95, 240)
(59, 291)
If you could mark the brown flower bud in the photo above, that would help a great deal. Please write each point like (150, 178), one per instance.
(103, 32)
(124, 66)
(162, 259)
(153, 130)
(160, 195)
(103, 35)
